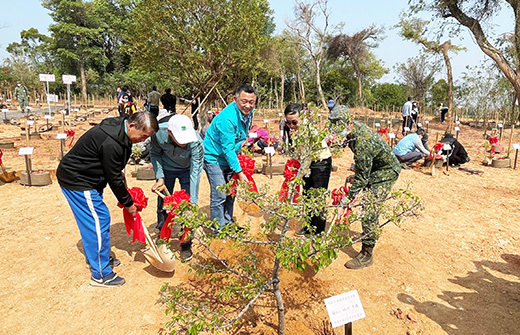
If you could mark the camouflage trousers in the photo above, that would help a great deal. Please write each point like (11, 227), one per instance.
(24, 102)
(373, 200)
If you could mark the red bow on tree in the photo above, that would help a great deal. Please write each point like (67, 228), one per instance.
(248, 167)
(436, 148)
(382, 131)
(289, 173)
(337, 195)
(171, 204)
(140, 201)
(70, 133)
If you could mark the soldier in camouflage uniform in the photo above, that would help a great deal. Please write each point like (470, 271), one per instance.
(376, 171)
(21, 94)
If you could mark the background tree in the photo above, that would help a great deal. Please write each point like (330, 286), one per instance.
(415, 29)
(477, 16)
(311, 36)
(200, 43)
(417, 75)
(389, 95)
(356, 49)
(78, 37)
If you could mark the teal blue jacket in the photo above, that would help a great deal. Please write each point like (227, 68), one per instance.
(166, 156)
(224, 137)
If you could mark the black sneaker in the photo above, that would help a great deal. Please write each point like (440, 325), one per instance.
(112, 261)
(112, 280)
(186, 253)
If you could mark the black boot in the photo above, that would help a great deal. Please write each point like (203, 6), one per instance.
(362, 260)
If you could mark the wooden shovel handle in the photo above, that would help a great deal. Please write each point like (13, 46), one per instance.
(159, 193)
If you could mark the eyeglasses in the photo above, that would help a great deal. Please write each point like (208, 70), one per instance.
(291, 123)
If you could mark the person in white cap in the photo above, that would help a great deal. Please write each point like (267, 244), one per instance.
(177, 152)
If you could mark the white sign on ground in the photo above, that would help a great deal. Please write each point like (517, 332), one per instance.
(30, 122)
(378, 124)
(266, 121)
(47, 117)
(419, 125)
(61, 136)
(406, 129)
(47, 77)
(391, 135)
(269, 150)
(52, 98)
(5, 110)
(516, 146)
(426, 121)
(344, 308)
(25, 151)
(500, 125)
(457, 129)
(68, 78)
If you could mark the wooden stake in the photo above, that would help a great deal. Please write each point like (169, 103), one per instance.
(510, 139)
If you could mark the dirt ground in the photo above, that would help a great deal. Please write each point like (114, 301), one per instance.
(455, 269)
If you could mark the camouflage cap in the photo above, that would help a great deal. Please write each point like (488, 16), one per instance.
(340, 113)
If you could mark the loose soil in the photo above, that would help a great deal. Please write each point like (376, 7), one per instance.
(455, 269)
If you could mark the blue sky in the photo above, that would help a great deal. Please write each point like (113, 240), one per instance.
(355, 14)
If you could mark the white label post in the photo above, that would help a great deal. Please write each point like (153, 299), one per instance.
(68, 79)
(47, 78)
(344, 308)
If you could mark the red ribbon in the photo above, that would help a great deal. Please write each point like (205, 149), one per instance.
(248, 167)
(289, 173)
(338, 194)
(1, 154)
(382, 131)
(171, 204)
(70, 133)
(140, 201)
(436, 148)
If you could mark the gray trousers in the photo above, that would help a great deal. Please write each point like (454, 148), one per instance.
(410, 157)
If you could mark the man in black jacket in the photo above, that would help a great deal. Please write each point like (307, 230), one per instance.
(96, 160)
(169, 100)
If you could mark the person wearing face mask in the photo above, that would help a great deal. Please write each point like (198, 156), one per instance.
(320, 170)
(177, 152)
(376, 171)
(222, 143)
(22, 95)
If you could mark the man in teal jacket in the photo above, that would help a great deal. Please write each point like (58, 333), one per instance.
(223, 142)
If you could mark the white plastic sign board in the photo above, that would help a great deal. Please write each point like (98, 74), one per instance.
(378, 124)
(253, 135)
(29, 107)
(68, 78)
(266, 121)
(419, 125)
(458, 122)
(8, 100)
(389, 122)
(280, 114)
(457, 129)
(47, 77)
(30, 122)
(500, 125)
(25, 151)
(426, 121)
(61, 136)
(391, 135)
(52, 98)
(269, 150)
(406, 129)
(48, 117)
(344, 308)
(5, 110)
(516, 146)
(64, 112)
(76, 109)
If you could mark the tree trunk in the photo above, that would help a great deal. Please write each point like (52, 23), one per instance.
(282, 90)
(317, 63)
(83, 81)
(360, 89)
(445, 47)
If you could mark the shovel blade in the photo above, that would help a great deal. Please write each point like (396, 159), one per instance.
(165, 262)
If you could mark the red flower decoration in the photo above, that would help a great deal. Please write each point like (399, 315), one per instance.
(338, 194)
(248, 167)
(171, 205)
(140, 201)
(289, 173)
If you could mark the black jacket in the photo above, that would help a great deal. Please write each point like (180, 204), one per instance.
(169, 101)
(98, 158)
